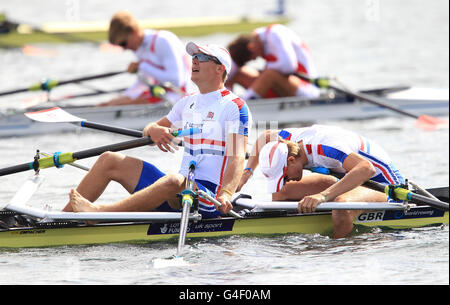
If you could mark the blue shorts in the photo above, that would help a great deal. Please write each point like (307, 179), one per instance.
(150, 174)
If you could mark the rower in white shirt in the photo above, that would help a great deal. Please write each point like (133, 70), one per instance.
(161, 59)
(282, 156)
(224, 121)
(285, 53)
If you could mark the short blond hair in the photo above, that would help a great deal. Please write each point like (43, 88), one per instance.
(293, 148)
(121, 26)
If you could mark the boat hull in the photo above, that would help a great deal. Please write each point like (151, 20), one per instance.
(318, 223)
(96, 31)
(283, 111)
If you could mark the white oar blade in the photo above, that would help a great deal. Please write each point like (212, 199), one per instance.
(53, 115)
(24, 194)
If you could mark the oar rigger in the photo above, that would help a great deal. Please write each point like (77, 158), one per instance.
(35, 163)
(425, 122)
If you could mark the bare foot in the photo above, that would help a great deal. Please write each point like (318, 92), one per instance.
(79, 203)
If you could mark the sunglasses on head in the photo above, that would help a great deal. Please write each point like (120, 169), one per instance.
(202, 57)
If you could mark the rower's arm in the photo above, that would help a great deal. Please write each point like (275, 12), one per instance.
(235, 154)
(160, 133)
(358, 169)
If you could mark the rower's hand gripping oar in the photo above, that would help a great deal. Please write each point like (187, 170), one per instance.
(216, 202)
(58, 115)
(425, 122)
(395, 192)
(65, 158)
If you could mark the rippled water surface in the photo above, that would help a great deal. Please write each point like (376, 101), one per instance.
(366, 43)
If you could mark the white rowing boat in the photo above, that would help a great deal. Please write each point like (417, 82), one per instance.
(282, 110)
(14, 34)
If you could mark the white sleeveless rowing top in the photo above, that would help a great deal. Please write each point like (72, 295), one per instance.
(163, 58)
(328, 146)
(286, 52)
(217, 114)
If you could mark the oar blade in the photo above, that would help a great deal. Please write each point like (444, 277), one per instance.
(53, 115)
(430, 123)
(25, 192)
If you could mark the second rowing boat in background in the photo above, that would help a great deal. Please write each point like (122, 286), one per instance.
(287, 110)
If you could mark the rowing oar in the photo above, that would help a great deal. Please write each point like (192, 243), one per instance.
(59, 159)
(48, 84)
(58, 115)
(187, 201)
(216, 202)
(45, 97)
(188, 197)
(394, 191)
(403, 194)
(425, 122)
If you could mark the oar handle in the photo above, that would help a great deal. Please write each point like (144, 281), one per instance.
(216, 202)
(69, 157)
(401, 193)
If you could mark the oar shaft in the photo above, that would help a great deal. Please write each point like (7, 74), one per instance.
(430, 201)
(15, 169)
(374, 100)
(324, 83)
(69, 157)
(114, 129)
(404, 194)
(112, 147)
(187, 201)
(49, 84)
(183, 228)
(133, 132)
(90, 77)
(325, 206)
(14, 91)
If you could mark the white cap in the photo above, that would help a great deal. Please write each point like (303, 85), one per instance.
(273, 162)
(217, 51)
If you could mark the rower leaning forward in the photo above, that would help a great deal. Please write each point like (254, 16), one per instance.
(218, 150)
(282, 156)
(284, 52)
(160, 59)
